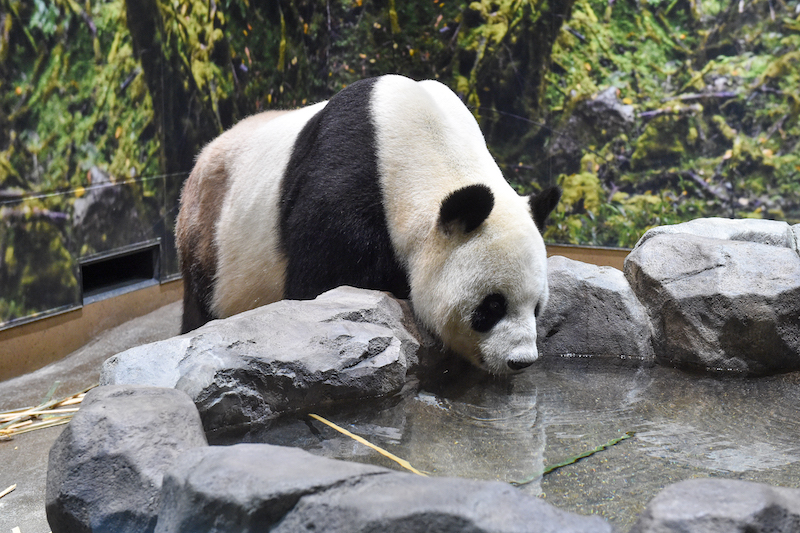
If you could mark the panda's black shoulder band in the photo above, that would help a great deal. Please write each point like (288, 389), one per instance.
(466, 208)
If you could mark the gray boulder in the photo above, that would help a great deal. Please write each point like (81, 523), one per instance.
(719, 304)
(247, 369)
(771, 232)
(106, 467)
(258, 487)
(246, 487)
(721, 506)
(796, 238)
(409, 503)
(592, 311)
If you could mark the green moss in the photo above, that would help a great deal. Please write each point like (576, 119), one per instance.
(662, 143)
(716, 95)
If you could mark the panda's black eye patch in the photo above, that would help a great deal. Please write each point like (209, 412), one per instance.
(491, 310)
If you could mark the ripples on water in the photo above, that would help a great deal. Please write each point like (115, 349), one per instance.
(507, 429)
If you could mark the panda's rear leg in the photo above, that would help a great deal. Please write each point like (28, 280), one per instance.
(195, 310)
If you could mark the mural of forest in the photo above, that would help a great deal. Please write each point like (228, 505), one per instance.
(646, 112)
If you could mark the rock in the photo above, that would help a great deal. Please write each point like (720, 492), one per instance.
(247, 369)
(721, 506)
(719, 304)
(406, 503)
(106, 467)
(592, 311)
(771, 232)
(259, 487)
(246, 487)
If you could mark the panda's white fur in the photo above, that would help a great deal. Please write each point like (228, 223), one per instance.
(449, 275)
(250, 263)
(427, 145)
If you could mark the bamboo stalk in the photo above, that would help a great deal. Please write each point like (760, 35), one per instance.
(402, 462)
(573, 460)
(72, 401)
(47, 414)
(16, 411)
(9, 489)
(51, 392)
(44, 424)
(18, 425)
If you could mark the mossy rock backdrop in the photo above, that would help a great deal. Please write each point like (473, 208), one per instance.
(135, 88)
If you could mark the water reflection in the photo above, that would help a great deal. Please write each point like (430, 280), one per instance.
(508, 429)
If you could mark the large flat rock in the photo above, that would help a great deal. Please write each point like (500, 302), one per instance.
(247, 369)
(258, 487)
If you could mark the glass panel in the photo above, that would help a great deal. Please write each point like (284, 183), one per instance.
(172, 185)
(43, 238)
(38, 271)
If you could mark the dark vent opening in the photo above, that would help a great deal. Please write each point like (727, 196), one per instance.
(120, 271)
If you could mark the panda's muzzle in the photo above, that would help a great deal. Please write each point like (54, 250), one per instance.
(518, 365)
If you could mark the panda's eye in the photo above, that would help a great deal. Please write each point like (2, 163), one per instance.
(491, 310)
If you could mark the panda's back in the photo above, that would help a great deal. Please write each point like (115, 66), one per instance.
(249, 263)
(332, 218)
(304, 211)
(339, 193)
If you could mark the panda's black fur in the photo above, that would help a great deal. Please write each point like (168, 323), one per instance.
(323, 219)
(333, 176)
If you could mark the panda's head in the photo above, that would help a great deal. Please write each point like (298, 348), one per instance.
(482, 281)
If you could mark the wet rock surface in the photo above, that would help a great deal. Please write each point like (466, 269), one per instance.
(592, 312)
(247, 369)
(105, 469)
(721, 506)
(720, 304)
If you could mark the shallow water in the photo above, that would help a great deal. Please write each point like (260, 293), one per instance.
(686, 425)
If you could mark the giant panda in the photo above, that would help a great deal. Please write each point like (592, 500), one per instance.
(389, 185)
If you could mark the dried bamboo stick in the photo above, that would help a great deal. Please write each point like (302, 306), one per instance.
(9, 489)
(18, 425)
(402, 462)
(47, 414)
(44, 424)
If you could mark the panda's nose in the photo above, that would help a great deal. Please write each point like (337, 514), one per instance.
(519, 365)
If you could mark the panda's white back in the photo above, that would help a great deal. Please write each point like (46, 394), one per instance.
(251, 265)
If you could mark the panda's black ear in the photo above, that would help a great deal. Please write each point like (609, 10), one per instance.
(466, 209)
(543, 203)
